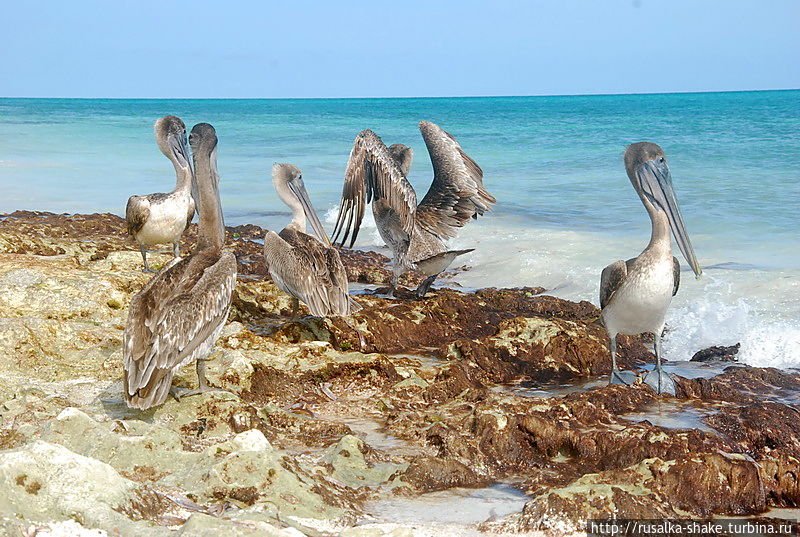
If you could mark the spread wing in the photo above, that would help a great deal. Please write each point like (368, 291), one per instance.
(612, 277)
(373, 174)
(174, 320)
(310, 271)
(136, 214)
(457, 193)
(676, 275)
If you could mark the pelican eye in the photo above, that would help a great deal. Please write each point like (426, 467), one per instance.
(661, 159)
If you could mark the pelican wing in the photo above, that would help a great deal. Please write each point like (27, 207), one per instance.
(372, 174)
(676, 275)
(611, 279)
(308, 270)
(174, 320)
(136, 213)
(457, 193)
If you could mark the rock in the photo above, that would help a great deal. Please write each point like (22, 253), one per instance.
(42, 482)
(200, 525)
(351, 462)
(722, 354)
(439, 390)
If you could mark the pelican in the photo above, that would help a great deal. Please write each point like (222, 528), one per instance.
(161, 218)
(178, 316)
(306, 267)
(414, 233)
(635, 294)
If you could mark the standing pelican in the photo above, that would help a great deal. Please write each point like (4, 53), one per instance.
(179, 314)
(636, 293)
(305, 267)
(161, 218)
(415, 233)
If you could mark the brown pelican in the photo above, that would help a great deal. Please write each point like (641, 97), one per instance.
(305, 267)
(636, 293)
(161, 218)
(415, 233)
(179, 314)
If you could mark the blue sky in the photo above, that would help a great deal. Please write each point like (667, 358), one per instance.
(400, 48)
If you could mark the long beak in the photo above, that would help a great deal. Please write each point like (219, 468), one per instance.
(299, 190)
(180, 148)
(655, 180)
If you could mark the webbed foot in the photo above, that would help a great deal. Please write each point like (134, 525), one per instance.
(622, 377)
(661, 382)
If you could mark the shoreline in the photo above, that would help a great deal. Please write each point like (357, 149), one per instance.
(318, 426)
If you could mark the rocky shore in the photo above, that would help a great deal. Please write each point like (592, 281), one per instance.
(323, 423)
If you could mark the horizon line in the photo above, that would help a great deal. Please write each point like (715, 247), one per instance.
(409, 97)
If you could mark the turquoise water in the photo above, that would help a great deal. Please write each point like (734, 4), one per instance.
(565, 206)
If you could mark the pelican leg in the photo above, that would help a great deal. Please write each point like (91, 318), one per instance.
(392, 286)
(176, 248)
(423, 288)
(618, 377)
(202, 383)
(658, 379)
(295, 307)
(143, 249)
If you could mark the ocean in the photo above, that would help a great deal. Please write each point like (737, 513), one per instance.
(565, 206)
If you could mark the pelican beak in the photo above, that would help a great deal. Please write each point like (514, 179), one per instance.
(180, 148)
(655, 182)
(298, 188)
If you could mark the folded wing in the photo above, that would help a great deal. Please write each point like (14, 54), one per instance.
(305, 268)
(172, 321)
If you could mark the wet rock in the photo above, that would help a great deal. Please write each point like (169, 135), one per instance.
(429, 474)
(722, 354)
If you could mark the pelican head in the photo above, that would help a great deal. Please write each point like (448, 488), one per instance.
(288, 182)
(171, 137)
(649, 173)
(403, 155)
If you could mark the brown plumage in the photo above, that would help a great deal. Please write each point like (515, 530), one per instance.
(301, 265)
(177, 317)
(414, 232)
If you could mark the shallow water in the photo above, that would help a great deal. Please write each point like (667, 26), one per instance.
(456, 507)
(671, 415)
(565, 207)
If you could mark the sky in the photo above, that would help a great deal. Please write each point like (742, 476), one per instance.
(264, 49)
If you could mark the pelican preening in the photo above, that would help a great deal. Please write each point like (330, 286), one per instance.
(177, 317)
(635, 294)
(306, 267)
(415, 233)
(162, 218)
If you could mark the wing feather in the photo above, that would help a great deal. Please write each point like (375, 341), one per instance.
(174, 320)
(372, 174)
(308, 270)
(676, 275)
(457, 192)
(612, 277)
(137, 211)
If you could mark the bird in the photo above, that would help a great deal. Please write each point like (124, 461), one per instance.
(162, 218)
(303, 266)
(178, 316)
(635, 294)
(415, 233)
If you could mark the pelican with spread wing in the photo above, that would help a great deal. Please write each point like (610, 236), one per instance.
(415, 233)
